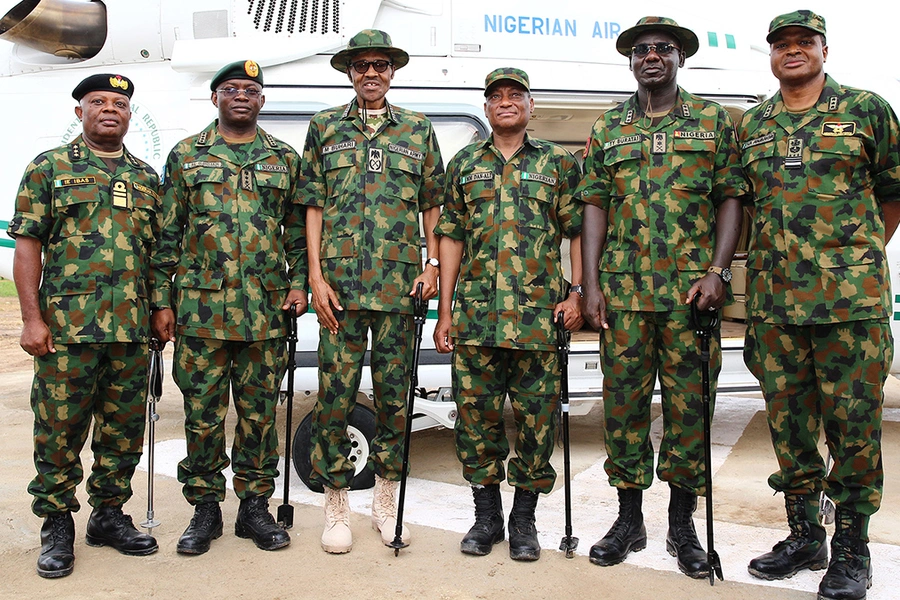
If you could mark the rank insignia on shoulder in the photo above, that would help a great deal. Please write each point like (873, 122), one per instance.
(75, 152)
(830, 129)
(685, 110)
(629, 117)
(768, 112)
(201, 141)
(832, 103)
(376, 160)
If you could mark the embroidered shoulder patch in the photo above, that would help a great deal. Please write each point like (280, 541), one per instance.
(415, 154)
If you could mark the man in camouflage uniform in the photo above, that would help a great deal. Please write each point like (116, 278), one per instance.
(508, 204)
(662, 186)
(824, 163)
(88, 209)
(232, 237)
(369, 169)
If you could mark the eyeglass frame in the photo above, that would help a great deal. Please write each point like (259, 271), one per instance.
(252, 93)
(370, 63)
(661, 49)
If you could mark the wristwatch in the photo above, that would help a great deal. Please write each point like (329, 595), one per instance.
(723, 272)
(577, 289)
(434, 263)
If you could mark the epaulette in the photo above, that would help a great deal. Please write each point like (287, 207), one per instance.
(203, 138)
(833, 103)
(686, 110)
(347, 110)
(768, 112)
(133, 160)
(271, 142)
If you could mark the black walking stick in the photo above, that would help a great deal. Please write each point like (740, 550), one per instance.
(420, 311)
(154, 393)
(704, 323)
(568, 543)
(286, 511)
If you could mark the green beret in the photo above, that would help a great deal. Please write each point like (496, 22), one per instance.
(506, 74)
(103, 82)
(365, 40)
(689, 42)
(242, 69)
(798, 18)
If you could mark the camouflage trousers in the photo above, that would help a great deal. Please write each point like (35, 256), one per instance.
(107, 382)
(341, 357)
(482, 379)
(204, 370)
(636, 348)
(831, 378)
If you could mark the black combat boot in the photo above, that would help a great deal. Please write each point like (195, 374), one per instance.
(681, 540)
(804, 548)
(109, 526)
(523, 540)
(626, 535)
(57, 557)
(849, 573)
(488, 528)
(206, 526)
(255, 522)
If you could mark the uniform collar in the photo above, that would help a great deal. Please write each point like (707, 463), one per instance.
(828, 102)
(488, 142)
(79, 151)
(684, 109)
(351, 111)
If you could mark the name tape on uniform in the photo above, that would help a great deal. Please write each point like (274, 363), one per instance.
(209, 164)
(477, 176)
(145, 190)
(70, 181)
(757, 141)
(338, 147)
(265, 168)
(694, 135)
(538, 177)
(406, 151)
(628, 139)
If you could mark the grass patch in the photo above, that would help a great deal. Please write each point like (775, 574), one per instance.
(7, 288)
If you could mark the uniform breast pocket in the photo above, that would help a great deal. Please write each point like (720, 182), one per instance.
(479, 198)
(77, 208)
(694, 161)
(207, 189)
(536, 205)
(624, 164)
(759, 163)
(338, 167)
(406, 172)
(273, 189)
(840, 166)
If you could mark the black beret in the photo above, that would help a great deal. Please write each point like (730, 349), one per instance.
(103, 82)
(242, 69)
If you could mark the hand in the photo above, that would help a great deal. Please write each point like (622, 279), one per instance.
(571, 309)
(323, 298)
(594, 306)
(711, 289)
(162, 325)
(443, 343)
(36, 339)
(299, 300)
(429, 280)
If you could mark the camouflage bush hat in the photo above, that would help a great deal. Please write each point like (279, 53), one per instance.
(365, 40)
(689, 42)
(798, 18)
(506, 74)
(103, 82)
(242, 69)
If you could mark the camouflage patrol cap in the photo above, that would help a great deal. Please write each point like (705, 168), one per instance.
(103, 82)
(506, 74)
(242, 69)
(365, 40)
(689, 42)
(799, 18)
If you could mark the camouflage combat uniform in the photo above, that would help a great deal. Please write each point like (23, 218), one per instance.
(511, 217)
(371, 187)
(232, 236)
(819, 300)
(96, 227)
(661, 186)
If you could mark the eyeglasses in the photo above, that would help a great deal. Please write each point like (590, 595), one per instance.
(662, 49)
(232, 92)
(362, 66)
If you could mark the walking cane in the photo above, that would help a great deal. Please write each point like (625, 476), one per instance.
(568, 543)
(420, 311)
(154, 393)
(704, 323)
(286, 511)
